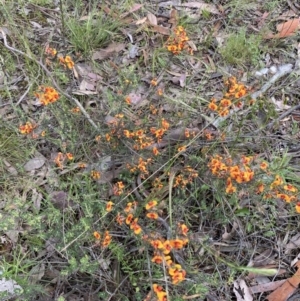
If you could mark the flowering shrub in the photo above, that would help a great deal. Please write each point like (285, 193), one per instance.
(178, 41)
(130, 200)
(232, 97)
(237, 174)
(47, 95)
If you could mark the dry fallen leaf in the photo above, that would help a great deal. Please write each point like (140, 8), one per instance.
(134, 8)
(163, 30)
(202, 6)
(266, 287)
(285, 29)
(152, 19)
(288, 28)
(283, 292)
(141, 21)
(108, 51)
(242, 291)
(34, 163)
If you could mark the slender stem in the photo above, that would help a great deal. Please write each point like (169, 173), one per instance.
(62, 22)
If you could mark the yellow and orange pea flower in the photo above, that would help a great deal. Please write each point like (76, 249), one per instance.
(107, 239)
(183, 229)
(151, 204)
(27, 128)
(66, 61)
(297, 207)
(75, 110)
(260, 188)
(50, 51)
(181, 148)
(263, 165)
(290, 188)
(285, 197)
(167, 247)
(277, 182)
(160, 92)
(120, 219)
(48, 95)
(160, 293)
(95, 175)
(157, 244)
(128, 100)
(97, 235)
(153, 82)
(70, 156)
(109, 206)
(137, 229)
(155, 151)
(82, 165)
(157, 258)
(129, 219)
(152, 215)
(59, 159)
(177, 243)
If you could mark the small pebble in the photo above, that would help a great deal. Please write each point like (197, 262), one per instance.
(261, 72)
(273, 69)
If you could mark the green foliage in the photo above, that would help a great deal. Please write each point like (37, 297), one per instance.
(241, 48)
(92, 32)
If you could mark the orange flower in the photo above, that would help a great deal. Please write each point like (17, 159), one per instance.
(181, 148)
(225, 103)
(167, 247)
(69, 62)
(297, 207)
(151, 204)
(129, 219)
(59, 160)
(178, 276)
(224, 112)
(109, 206)
(70, 156)
(95, 175)
(246, 160)
(107, 239)
(165, 124)
(81, 165)
(263, 165)
(97, 235)
(155, 151)
(152, 215)
(176, 243)
(212, 105)
(120, 219)
(128, 207)
(229, 187)
(48, 96)
(160, 92)
(27, 128)
(285, 197)
(290, 188)
(161, 295)
(50, 51)
(75, 110)
(128, 100)
(157, 259)
(183, 229)
(135, 227)
(277, 182)
(153, 82)
(157, 244)
(260, 188)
